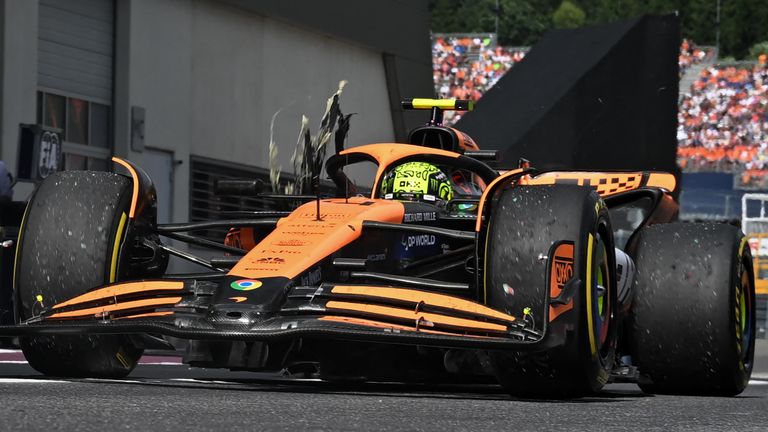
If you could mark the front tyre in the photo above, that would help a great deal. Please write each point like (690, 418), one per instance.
(526, 223)
(71, 241)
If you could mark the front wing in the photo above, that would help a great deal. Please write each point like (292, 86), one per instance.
(191, 310)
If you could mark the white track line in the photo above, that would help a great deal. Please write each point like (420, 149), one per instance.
(29, 381)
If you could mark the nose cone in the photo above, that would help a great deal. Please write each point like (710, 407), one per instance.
(244, 302)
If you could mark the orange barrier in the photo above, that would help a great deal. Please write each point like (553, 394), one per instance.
(739, 153)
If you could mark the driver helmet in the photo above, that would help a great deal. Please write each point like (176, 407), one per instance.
(417, 181)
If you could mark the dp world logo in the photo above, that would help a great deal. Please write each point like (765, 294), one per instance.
(245, 284)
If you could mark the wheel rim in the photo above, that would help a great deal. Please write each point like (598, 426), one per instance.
(744, 326)
(601, 299)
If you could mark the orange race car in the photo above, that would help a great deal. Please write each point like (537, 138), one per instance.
(553, 283)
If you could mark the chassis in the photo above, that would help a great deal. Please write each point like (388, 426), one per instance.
(552, 283)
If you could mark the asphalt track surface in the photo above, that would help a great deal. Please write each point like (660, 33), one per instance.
(161, 395)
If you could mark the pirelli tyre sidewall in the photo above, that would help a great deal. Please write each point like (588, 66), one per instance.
(693, 317)
(71, 240)
(526, 224)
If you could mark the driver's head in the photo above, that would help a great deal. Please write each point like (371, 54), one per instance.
(417, 181)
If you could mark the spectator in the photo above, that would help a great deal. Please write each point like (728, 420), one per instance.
(465, 67)
(690, 54)
(723, 122)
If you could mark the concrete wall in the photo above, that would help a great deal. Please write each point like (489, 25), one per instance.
(211, 73)
(397, 28)
(18, 78)
(210, 76)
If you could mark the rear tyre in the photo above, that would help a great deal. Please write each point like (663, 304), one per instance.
(71, 241)
(693, 320)
(525, 224)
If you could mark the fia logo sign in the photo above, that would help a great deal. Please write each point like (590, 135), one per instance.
(50, 154)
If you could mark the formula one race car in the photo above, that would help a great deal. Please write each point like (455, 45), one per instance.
(553, 283)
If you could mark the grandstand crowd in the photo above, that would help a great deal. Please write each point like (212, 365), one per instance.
(691, 54)
(723, 122)
(466, 67)
(722, 118)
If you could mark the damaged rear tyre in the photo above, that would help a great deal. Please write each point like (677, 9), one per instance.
(71, 241)
(544, 241)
